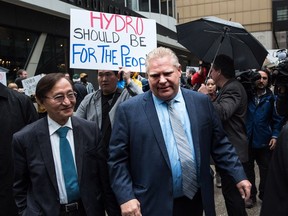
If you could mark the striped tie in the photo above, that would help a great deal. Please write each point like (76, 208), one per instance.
(189, 173)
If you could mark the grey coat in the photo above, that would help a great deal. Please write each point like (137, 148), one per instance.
(90, 108)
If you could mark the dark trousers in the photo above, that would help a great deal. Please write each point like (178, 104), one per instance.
(235, 205)
(183, 206)
(262, 157)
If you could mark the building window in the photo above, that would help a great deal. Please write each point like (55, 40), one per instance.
(144, 5)
(282, 14)
(170, 6)
(120, 2)
(155, 6)
(16, 47)
(164, 7)
(54, 57)
(132, 4)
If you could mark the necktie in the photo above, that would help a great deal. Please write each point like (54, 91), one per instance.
(68, 166)
(189, 174)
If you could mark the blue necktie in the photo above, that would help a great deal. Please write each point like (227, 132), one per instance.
(68, 166)
(188, 166)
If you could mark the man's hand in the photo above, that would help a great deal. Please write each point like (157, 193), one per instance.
(203, 89)
(272, 143)
(125, 74)
(244, 188)
(131, 208)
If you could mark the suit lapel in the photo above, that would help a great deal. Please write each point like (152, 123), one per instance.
(152, 117)
(43, 139)
(79, 147)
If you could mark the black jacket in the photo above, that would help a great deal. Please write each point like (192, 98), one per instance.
(16, 111)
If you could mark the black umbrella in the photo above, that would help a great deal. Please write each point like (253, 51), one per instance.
(209, 36)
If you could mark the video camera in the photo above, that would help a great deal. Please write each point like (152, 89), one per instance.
(247, 79)
(280, 80)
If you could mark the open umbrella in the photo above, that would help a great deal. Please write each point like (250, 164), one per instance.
(209, 36)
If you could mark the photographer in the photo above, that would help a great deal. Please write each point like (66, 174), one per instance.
(263, 126)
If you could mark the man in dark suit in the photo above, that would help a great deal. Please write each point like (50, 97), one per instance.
(43, 184)
(231, 106)
(145, 163)
(17, 110)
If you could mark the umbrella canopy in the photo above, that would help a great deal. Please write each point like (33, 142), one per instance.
(209, 36)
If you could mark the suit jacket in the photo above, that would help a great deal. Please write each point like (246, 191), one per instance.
(231, 106)
(17, 110)
(139, 163)
(35, 185)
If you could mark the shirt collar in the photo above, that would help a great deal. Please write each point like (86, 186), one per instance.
(54, 126)
(177, 98)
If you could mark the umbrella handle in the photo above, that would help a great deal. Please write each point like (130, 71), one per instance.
(217, 51)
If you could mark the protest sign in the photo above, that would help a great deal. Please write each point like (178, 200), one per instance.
(107, 41)
(30, 84)
(3, 79)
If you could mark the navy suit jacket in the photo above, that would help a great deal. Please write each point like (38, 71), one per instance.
(139, 163)
(35, 185)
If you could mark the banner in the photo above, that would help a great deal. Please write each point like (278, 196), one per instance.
(107, 41)
(29, 84)
(3, 79)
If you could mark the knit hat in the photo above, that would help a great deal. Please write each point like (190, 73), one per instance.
(76, 77)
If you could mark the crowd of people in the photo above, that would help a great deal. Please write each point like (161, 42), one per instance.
(142, 146)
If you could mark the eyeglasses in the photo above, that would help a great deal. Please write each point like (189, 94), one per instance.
(60, 97)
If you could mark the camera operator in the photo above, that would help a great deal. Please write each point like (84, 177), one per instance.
(276, 191)
(263, 126)
(281, 88)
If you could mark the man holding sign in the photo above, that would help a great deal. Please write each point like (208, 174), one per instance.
(100, 107)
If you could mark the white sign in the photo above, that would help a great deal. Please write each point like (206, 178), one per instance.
(30, 84)
(107, 41)
(3, 79)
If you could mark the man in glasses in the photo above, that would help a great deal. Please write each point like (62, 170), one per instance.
(55, 158)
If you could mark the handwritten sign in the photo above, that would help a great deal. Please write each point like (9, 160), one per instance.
(107, 41)
(3, 78)
(30, 84)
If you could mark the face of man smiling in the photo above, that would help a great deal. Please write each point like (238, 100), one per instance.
(60, 101)
(164, 77)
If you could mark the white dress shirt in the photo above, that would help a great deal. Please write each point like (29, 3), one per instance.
(55, 142)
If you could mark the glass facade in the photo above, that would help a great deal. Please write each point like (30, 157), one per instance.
(165, 7)
(144, 5)
(132, 4)
(54, 56)
(282, 14)
(155, 6)
(19, 34)
(16, 48)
